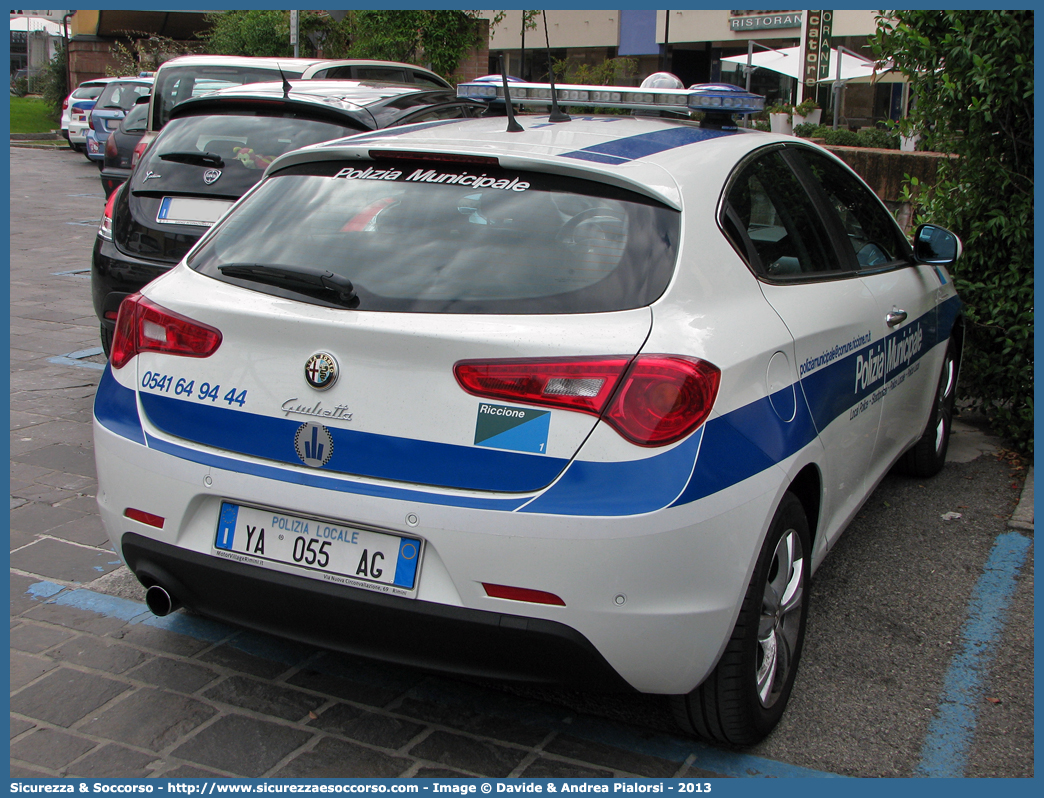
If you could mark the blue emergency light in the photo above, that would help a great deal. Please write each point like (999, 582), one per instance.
(710, 98)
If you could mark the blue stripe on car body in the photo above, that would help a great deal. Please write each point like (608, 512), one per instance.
(355, 453)
(725, 451)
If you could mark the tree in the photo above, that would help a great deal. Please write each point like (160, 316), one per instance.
(440, 38)
(55, 82)
(252, 33)
(143, 52)
(971, 73)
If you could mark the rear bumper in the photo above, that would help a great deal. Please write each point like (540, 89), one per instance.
(419, 633)
(77, 133)
(95, 145)
(113, 177)
(654, 595)
(115, 275)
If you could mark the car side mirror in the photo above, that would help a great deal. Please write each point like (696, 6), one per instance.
(936, 246)
(143, 99)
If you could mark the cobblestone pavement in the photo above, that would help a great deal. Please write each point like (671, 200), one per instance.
(101, 688)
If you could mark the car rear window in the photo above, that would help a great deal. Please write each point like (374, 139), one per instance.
(122, 95)
(177, 83)
(87, 92)
(136, 118)
(245, 142)
(450, 238)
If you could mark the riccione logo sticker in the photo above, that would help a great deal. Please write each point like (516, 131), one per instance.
(517, 429)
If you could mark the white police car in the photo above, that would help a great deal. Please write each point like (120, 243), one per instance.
(584, 402)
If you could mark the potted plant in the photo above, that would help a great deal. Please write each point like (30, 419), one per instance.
(780, 118)
(807, 111)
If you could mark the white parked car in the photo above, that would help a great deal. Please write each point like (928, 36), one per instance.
(76, 109)
(585, 402)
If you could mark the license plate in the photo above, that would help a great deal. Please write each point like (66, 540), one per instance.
(112, 124)
(185, 210)
(320, 549)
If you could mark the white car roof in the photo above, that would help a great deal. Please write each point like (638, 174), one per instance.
(345, 95)
(649, 155)
(239, 60)
(337, 62)
(358, 92)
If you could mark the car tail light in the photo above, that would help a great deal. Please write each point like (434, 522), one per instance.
(522, 594)
(90, 119)
(663, 398)
(105, 229)
(144, 326)
(140, 147)
(110, 148)
(65, 104)
(652, 400)
(582, 384)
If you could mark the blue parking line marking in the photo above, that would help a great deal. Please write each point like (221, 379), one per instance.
(76, 359)
(950, 733)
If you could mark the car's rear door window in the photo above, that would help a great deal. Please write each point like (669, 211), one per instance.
(773, 220)
(449, 238)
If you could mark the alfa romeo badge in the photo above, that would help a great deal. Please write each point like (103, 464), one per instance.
(321, 371)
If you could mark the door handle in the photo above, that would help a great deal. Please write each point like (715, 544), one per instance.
(896, 317)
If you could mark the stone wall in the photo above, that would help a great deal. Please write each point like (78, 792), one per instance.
(89, 58)
(885, 172)
(476, 64)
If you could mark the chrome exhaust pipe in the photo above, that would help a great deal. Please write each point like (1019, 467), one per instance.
(160, 602)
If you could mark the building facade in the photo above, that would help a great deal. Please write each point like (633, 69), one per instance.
(691, 44)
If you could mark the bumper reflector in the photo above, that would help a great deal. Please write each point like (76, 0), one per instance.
(144, 517)
(522, 594)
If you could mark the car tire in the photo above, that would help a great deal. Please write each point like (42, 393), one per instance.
(106, 340)
(928, 455)
(745, 695)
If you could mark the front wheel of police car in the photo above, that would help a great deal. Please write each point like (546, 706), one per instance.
(747, 692)
(928, 455)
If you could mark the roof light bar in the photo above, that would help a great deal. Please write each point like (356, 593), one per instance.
(706, 97)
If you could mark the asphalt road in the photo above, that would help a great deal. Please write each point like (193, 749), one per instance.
(918, 658)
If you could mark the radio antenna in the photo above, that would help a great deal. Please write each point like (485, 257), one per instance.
(557, 115)
(513, 126)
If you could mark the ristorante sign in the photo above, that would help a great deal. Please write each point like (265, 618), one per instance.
(741, 21)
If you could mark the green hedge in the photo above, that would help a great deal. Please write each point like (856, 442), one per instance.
(867, 137)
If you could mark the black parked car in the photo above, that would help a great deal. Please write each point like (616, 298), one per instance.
(120, 146)
(217, 146)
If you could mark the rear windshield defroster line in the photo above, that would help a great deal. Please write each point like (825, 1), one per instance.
(430, 237)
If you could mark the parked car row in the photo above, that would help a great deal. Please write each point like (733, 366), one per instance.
(116, 100)
(213, 149)
(554, 399)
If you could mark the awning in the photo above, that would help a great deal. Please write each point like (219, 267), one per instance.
(36, 23)
(788, 62)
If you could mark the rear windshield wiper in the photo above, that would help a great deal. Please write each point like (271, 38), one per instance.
(198, 158)
(319, 283)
